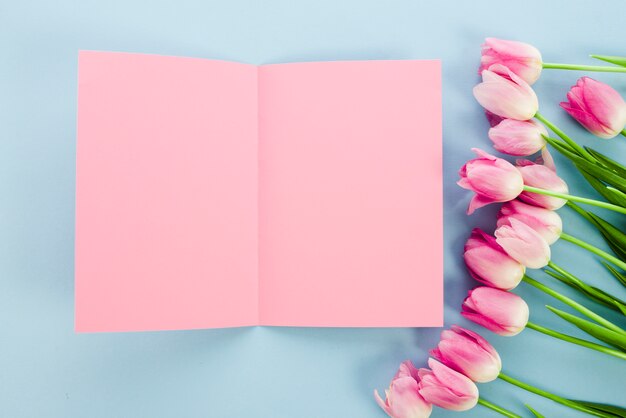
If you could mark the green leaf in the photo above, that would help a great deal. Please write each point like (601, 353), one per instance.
(618, 275)
(605, 170)
(612, 410)
(621, 61)
(599, 186)
(592, 292)
(617, 195)
(595, 169)
(601, 173)
(607, 162)
(613, 338)
(535, 413)
(612, 235)
(560, 145)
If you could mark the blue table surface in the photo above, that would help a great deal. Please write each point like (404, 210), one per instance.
(47, 370)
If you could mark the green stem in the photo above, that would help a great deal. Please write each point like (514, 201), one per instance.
(549, 395)
(577, 341)
(576, 67)
(580, 308)
(565, 138)
(497, 408)
(592, 202)
(624, 132)
(594, 250)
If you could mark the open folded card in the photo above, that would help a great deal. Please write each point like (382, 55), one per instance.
(219, 194)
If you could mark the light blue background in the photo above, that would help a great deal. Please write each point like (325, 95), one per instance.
(46, 370)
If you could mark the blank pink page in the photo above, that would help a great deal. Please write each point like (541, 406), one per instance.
(350, 194)
(166, 193)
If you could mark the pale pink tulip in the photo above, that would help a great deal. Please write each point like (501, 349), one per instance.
(489, 264)
(499, 311)
(447, 388)
(542, 177)
(544, 221)
(505, 94)
(597, 107)
(521, 58)
(523, 243)
(403, 399)
(468, 353)
(492, 179)
(516, 137)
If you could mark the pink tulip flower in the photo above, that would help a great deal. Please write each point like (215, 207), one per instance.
(523, 243)
(597, 107)
(522, 59)
(542, 177)
(489, 264)
(516, 137)
(505, 94)
(403, 399)
(447, 388)
(492, 179)
(468, 353)
(499, 311)
(544, 221)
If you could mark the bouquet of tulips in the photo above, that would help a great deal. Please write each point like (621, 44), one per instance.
(526, 226)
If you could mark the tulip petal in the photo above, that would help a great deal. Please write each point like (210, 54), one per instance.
(485, 322)
(523, 244)
(477, 202)
(501, 312)
(381, 403)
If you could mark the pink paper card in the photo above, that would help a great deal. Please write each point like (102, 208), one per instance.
(217, 194)
(350, 212)
(166, 193)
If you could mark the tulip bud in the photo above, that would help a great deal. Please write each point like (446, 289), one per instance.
(492, 179)
(542, 177)
(468, 353)
(489, 264)
(447, 388)
(522, 59)
(499, 311)
(523, 243)
(597, 107)
(505, 94)
(545, 222)
(516, 137)
(403, 399)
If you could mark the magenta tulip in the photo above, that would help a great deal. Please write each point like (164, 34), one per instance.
(523, 243)
(542, 177)
(447, 388)
(505, 94)
(499, 311)
(521, 58)
(516, 137)
(468, 353)
(492, 179)
(545, 222)
(403, 399)
(489, 264)
(597, 107)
